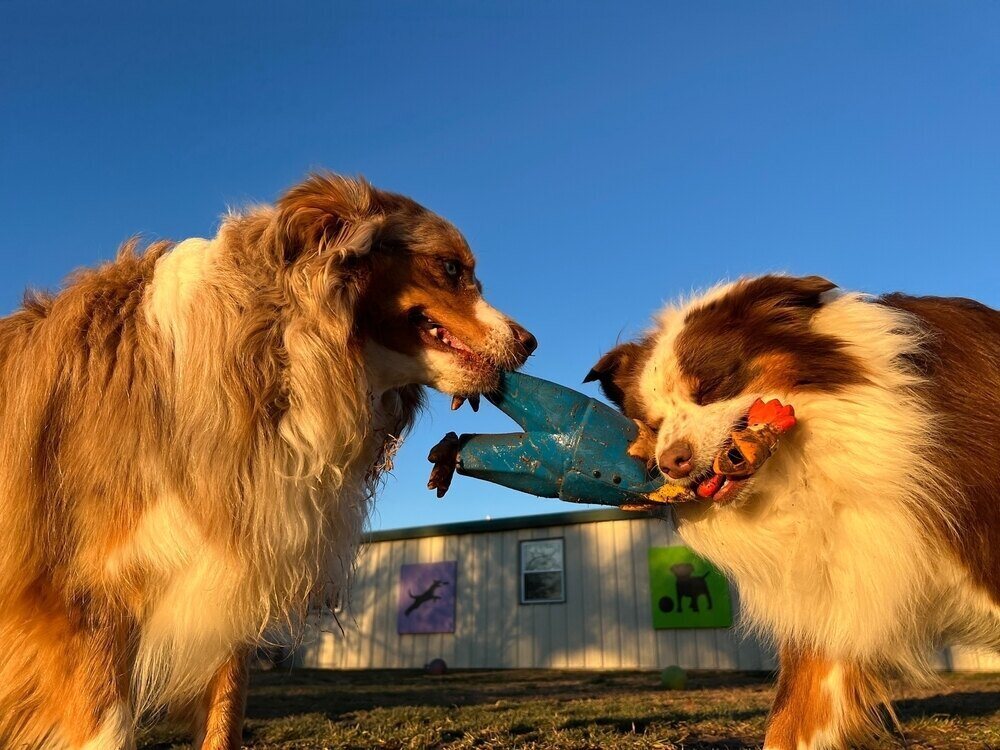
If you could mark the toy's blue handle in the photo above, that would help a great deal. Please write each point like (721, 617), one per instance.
(573, 447)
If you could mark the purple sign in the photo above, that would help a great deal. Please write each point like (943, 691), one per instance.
(427, 597)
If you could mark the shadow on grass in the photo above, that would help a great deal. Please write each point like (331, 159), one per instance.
(334, 694)
(959, 704)
(639, 726)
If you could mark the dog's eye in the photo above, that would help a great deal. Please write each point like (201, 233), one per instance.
(451, 268)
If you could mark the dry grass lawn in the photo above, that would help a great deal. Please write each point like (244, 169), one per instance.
(548, 710)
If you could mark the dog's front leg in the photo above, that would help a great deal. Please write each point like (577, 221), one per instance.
(65, 682)
(823, 703)
(219, 714)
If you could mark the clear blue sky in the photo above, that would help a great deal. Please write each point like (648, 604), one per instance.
(601, 158)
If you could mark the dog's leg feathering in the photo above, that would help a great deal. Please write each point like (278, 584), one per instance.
(219, 718)
(823, 704)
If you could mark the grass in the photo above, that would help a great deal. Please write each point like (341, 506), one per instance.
(550, 710)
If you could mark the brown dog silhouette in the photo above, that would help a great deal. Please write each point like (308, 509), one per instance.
(690, 585)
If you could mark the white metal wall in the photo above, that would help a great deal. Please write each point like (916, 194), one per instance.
(605, 622)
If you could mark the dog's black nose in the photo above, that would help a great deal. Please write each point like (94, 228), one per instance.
(675, 459)
(524, 338)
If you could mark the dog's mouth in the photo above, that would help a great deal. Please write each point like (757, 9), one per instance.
(436, 336)
(719, 488)
(723, 488)
(751, 442)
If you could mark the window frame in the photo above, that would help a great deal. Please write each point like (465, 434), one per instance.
(561, 570)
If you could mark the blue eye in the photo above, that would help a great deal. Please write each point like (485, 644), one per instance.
(451, 268)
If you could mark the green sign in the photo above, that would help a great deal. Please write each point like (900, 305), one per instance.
(687, 590)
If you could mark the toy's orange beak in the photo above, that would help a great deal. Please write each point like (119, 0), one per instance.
(750, 448)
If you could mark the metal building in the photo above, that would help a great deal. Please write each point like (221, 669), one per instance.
(513, 603)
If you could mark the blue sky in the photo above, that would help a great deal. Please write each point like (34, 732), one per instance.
(601, 158)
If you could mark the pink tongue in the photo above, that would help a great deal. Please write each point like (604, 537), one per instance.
(710, 486)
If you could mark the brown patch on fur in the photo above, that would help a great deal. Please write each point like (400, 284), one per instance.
(773, 372)
(961, 363)
(738, 338)
(805, 709)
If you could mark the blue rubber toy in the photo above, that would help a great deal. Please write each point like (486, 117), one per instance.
(572, 447)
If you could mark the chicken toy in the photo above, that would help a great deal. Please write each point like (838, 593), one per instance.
(575, 448)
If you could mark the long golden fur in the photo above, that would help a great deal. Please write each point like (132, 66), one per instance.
(191, 437)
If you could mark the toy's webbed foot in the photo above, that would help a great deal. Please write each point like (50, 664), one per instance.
(444, 456)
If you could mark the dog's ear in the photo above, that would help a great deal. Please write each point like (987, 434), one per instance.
(327, 213)
(612, 368)
(612, 362)
(800, 292)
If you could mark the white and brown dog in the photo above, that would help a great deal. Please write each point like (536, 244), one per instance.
(191, 437)
(874, 533)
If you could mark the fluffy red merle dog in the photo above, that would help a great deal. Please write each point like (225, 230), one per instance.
(873, 535)
(191, 437)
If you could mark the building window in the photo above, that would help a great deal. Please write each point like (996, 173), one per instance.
(542, 579)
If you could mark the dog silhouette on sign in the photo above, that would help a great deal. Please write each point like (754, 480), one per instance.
(427, 596)
(690, 586)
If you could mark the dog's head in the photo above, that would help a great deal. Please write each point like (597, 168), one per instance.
(419, 312)
(691, 382)
(682, 570)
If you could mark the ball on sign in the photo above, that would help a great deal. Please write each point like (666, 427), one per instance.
(673, 678)
(666, 604)
(436, 667)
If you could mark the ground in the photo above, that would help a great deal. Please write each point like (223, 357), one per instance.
(549, 710)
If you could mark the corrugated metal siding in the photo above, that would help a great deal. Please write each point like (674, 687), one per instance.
(605, 622)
